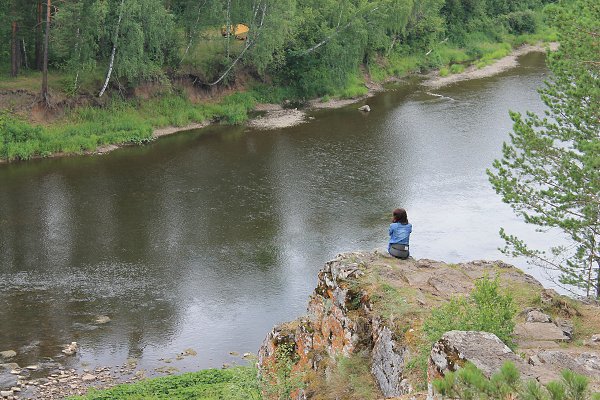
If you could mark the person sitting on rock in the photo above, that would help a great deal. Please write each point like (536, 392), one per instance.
(399, 232)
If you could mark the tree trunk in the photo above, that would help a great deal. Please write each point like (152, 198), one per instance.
(14, 51)
(114, 49)
(45, 63)
(25, 54)
(598, 278)
(38, 38)
(228, 27)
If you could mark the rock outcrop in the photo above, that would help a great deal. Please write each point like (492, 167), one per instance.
(482, 349)
(371, 305)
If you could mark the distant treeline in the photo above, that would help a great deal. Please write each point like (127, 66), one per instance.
(311, 46)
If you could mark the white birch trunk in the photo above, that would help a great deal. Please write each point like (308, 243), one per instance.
(114, 49)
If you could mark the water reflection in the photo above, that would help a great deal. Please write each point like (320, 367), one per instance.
(206, 240)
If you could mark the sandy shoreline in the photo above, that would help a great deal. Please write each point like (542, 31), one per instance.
(435, 81)
(278, 117)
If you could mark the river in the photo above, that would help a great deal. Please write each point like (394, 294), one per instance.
(206, 239)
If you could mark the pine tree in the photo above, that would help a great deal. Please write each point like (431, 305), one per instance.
(550, 170)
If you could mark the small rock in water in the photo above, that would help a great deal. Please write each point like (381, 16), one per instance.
(32, 367)
(70, 349)
(234, 353)
(102, 319)
(190, 352)
(8, 354)
(365, 108)
(6, 393)
(247, 355)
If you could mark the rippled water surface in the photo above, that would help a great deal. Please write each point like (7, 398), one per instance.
(206, 239)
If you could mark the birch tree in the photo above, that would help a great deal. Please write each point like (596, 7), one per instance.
(44, 94)
(142, 36)
(78, 25)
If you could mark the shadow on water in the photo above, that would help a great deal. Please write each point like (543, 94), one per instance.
(206, 239)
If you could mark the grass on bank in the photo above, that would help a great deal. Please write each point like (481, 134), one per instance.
(238, 383)
(86, 129)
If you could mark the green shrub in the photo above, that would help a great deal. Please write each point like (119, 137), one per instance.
(86, 128)
(395, 65)
(275, 94)
(520, 22)
(457, 68)
(484, 310)
(452, 55)
(444, 71)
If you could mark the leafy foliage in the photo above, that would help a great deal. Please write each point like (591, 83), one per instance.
(486, 309)
(550, 170)
(315, 45)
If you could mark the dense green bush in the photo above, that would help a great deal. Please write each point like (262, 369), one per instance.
(18, 140)
(520, 22)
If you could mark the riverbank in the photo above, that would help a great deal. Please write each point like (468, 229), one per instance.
(91, 131)
(435, 80)
(276, 117)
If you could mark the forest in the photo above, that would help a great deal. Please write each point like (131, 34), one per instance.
(74, 54)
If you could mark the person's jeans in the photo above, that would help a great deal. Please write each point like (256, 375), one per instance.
(399, 250)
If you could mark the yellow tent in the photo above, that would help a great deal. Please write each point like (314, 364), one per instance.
(240, 31)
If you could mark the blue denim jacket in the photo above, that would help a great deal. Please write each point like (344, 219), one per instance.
(399, 233)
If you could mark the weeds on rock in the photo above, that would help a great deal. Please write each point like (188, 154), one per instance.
(486, 310)
(279, 378)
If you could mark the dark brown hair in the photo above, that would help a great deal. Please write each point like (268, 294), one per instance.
(400, 216)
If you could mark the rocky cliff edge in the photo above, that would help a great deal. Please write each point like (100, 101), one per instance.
(364, 323)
